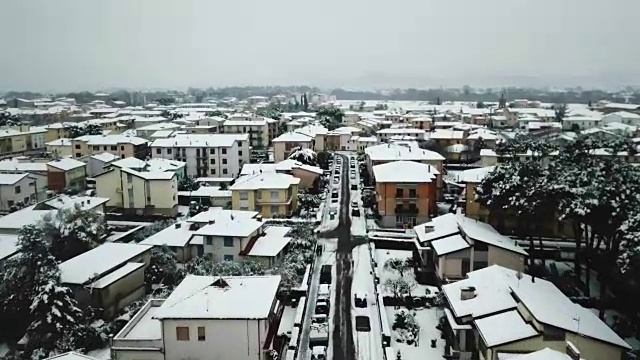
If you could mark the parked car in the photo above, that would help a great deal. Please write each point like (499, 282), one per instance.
(325, 274)
(319, 318)
(334, 194)
(355, 212)
(354, 186)
(322, 307)
(362, 323)
(354, 203)
(319, 353)
(360, 300)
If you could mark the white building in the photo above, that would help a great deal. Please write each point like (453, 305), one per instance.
(415, 134)
(205, 317)
(623, 117)
(580, 122)
(206, 155)
(16, 190)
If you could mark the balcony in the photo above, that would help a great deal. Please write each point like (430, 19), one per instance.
(269, 201)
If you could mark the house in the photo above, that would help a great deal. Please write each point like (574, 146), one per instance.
(134, 187)
(272, 194)
(580, 122)
(205, 155)
(109, 276)
(205, 317)
(99, 162)
(288, 142)
(359, 143)
(408, 151)
(17, 191)
(471, 179)
(421, 122)
(66, 173)
(453, 245)
(406, 192)
(498, 311)
(415, 134)
(120, 145)
(307, 174)
(60, 147)
(206, 195)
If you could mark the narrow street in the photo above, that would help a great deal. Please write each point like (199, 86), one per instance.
(342, 337)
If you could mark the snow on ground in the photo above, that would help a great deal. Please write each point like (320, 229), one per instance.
(287, 320)
(428, 319)
(381, 257)
(4, 349)
(328, 224)
(101, 354)
(368, 344)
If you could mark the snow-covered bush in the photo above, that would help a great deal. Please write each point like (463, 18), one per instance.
(305, 156)
(73, 231)
(152, 229)
(162, 269)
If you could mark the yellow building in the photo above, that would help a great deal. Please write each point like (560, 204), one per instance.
(139, 192)
(61, 147)
(120, 145)
(271, 194)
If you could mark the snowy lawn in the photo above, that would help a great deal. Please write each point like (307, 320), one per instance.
(382, 255)
(427, 319)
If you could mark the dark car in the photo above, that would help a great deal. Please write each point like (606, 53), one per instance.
(354, 186)
(362, 323)
(325, 274)
(360, 300)
(355, 212)
(334, 194)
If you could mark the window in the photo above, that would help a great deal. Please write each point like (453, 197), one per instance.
(122, 147)
(412, 193)
(169, 151)
(244, 195)
(259, 194)
(224, 161)
(198, 152)
(213, 161)
(399, 192)
(274, 195)
(228, 258)
(480, 246)
(18, 190)
(228, 241)
(208, 240)
(274, 210)
(10, 203)
(114, 148)
(182, 333)
(212, 151)
(96, 148)
(224, 151)
(77, 146)
(551, 333)
(158, 151)
(239, 152)
(213, 171)
(224, 171)
(201, 333)
(104, 148)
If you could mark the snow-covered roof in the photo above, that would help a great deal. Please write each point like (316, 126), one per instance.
(272, 243)
(479, 231)
(449, 244)
(8, 246)
(116, 275)
(446, 134)
(66, 164)
(130, 162)
(265, 181)
(159, 126)
(10, 179)
(394, 152)
(110, 140)
(105, 157)
(175, 235)
(252, 122)
(439, 227)
(544, 354)
(207, 191)
(503, 328)
(474, 176)
(290, 164)
(200, 140)
(70, 202)
(401, 131)
(312, 130)
(98, 261)
(220, 214)
(404, 172)
(71, 356)
(60, 142)
(16, 165)
(231, 225)
(150, 175)
(212, 297)
(293, 136)
(626, 115)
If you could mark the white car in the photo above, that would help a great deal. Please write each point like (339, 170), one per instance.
(319, 353)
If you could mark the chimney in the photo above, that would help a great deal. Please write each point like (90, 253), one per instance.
(572, 351)
(178, 225)
(533, 278)
(467, 292)
(259, 217)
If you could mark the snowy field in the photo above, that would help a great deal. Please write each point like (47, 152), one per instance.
(428, 319)
(381, 257)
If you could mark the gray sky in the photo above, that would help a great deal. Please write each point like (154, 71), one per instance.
(90, 44)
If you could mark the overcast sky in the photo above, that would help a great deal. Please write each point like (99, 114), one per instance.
(90, 44)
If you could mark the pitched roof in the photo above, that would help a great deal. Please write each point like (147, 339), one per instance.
(395, 152)
(264, 181)
(105, 157)
(66, 164)
(404, 172)
(10, 179)
(503, 328)
(544, 354)
(231, 297)
(293, 136)
(200, 140)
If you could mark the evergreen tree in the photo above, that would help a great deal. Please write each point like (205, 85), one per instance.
(305, 102)
(73, 231)
(188, 183)
(162, 269)
(502, 102)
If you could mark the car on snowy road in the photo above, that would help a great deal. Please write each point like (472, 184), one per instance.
(363, 324)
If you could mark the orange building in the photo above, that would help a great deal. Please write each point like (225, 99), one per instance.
(406, 192)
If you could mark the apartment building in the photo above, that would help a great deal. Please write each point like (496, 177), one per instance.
(121, 145)
(271, 194)
(261, 130)
(414, 134)
(317, 132)
(205, 317)
(17, 191)
(497, 312)
(406, 192)
(134, 187)
(307, 174)
(148, 130)
(21, 139)
(214, 155)
(66, 173)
